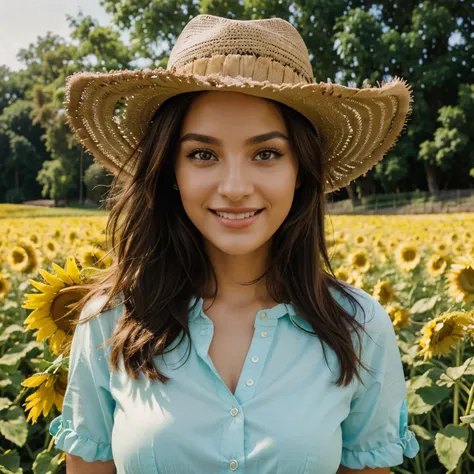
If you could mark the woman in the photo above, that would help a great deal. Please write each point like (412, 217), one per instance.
(232, 346)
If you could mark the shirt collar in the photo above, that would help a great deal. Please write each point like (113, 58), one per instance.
(278, 311)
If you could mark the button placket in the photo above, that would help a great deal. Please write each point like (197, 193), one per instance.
(255, 362)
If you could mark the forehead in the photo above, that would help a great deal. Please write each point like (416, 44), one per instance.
(232, 111)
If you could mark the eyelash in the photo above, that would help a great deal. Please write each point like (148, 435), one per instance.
(275, 150)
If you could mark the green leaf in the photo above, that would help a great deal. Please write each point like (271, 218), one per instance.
(424, 393)
(18, 352)
(10, 462)
(13, 426)
(454, 373)
(424, 304)
(14, 328)
(4, 403)
(467, 418)
(45, 463)
(421, 432)
(450, 444)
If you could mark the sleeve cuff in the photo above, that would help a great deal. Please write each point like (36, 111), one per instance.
(386, 456)
(68, 440)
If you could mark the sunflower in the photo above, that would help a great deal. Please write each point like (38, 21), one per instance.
(5, 286)
(338, 250)
(51, 313)
(436, 265)
(443, 332)
(383, 292)
(459, 248)
(73, 236)
(461, 279)
(34, 239)
(350, 277)
(453, 237)
(441, 248)
(51, 249)
(24, 258)
(95, 257)
(400, 316)
(360, 239)
(407, 257)
(359, 260)
(342, 274)
(52, 388)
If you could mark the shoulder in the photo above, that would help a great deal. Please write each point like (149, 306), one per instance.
(371, 314)
(106, 316)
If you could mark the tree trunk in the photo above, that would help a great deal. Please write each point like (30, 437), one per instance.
(17, 177)
(366, 184)
(352, 194)
(431, 177)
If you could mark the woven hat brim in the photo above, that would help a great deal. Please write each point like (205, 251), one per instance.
(357, 127)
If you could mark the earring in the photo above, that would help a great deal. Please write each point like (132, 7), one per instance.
(175, 186)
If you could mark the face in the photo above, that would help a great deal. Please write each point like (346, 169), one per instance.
(225, 162)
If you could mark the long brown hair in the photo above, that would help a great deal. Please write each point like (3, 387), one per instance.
(160, 262)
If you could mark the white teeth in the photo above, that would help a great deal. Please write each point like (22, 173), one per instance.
(228, 215)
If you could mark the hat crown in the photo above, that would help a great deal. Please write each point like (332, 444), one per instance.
(207, 36)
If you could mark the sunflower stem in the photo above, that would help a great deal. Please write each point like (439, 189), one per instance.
(469, 401)
(456, 402)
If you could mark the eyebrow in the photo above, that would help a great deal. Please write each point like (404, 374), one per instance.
(250, 141)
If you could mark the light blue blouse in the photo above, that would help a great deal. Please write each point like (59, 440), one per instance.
(286, 415)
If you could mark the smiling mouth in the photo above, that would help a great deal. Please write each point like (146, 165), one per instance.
(257, 212)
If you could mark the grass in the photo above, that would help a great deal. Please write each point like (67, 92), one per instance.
(12, 211)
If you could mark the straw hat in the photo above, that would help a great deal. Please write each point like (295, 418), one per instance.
(264, 58)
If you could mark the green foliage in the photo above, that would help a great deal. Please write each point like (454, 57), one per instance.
(97, 180)
(55, 180)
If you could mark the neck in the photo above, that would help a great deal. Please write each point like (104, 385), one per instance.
(234, 270)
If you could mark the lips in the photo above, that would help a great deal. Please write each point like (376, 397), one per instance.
(215, 212)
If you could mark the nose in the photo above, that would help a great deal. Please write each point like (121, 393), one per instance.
(235, 181)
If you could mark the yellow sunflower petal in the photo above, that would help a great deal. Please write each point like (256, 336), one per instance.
(73, 270)
(35, 412)
(37, 297)
(38, 313)
(62, 274)
(34, 380)
(33, 305)
(46, 331)
(51, 279)
(43, 288)
(47, 404)
(39, 323)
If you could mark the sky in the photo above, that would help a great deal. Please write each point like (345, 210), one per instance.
(22, 21)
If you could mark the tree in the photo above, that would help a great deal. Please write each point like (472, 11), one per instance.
(97, 180)
(55, 180)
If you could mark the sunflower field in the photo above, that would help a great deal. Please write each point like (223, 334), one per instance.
(420, 268)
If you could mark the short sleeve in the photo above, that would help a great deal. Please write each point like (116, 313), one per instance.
(85, 425)
(375, 433)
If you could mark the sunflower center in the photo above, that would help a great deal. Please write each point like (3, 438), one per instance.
(438, 263)
(409, 255)
(466, 280)
(443, 330)
(61, 306)
(360, 260)
(18, 257)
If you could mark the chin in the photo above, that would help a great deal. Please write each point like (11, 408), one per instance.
(236, 247)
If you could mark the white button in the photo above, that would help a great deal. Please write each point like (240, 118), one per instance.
(233, 464)
(249, 382)
(234, 411)
(255, 359)
(264, 333)
(263, 315)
